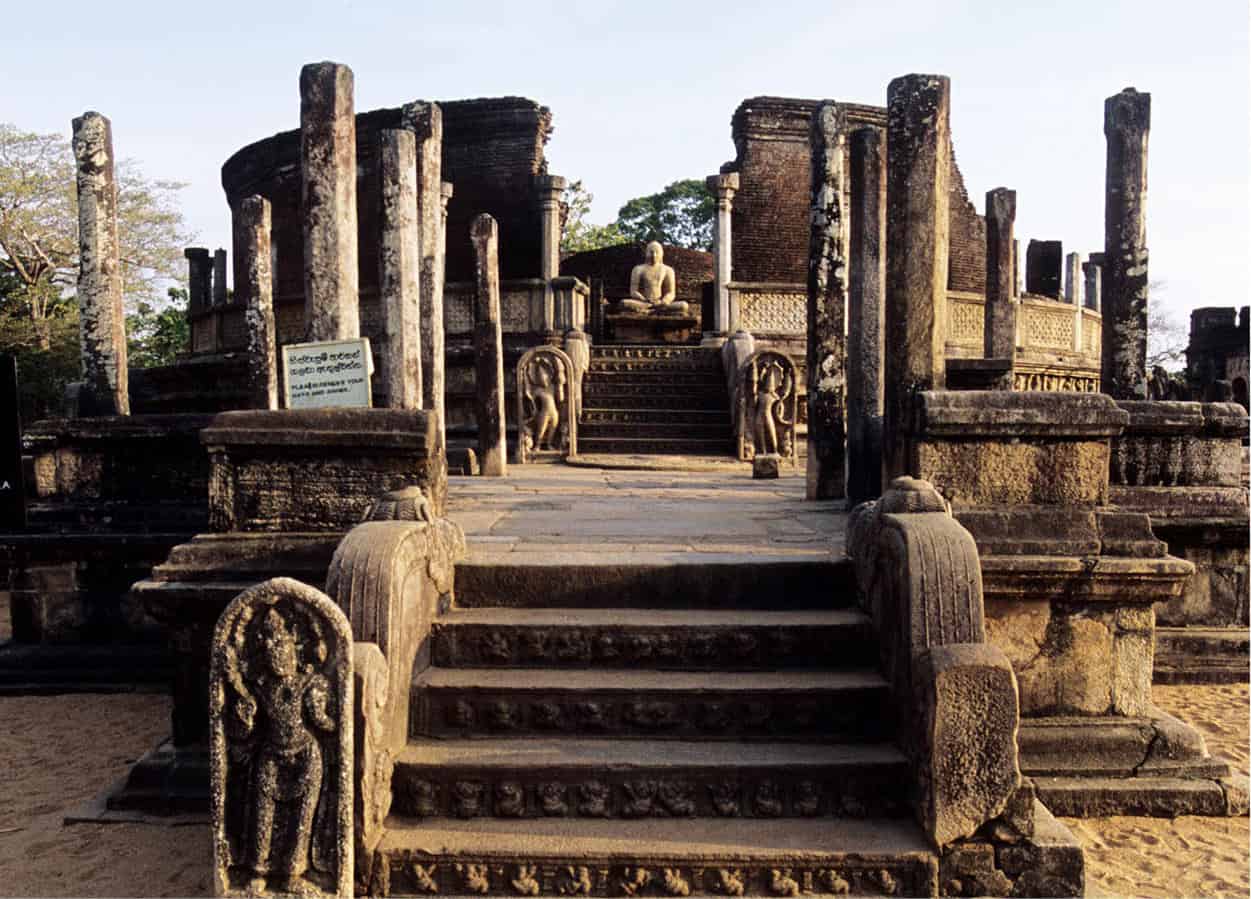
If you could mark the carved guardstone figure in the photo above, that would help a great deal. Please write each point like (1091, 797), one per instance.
(545, 413)
(653, 286)
(280, 706)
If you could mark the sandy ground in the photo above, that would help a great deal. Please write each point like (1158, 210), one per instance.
(58, 752)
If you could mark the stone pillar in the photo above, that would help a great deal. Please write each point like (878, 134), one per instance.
(1126, 123)
(865, 312)
(1073, 279)
(328, 173)
(425, 120)
(1093, 270)
(488, 348)
(999, 333)
(723, 187)
(199, 279)
(917, 243)
(101, 318)
(827, 306)
(219, 277)
(254, 287)
(1017, 277)
(399, 262)
(550, 189)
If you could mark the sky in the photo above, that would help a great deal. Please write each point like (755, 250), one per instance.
(642, 93)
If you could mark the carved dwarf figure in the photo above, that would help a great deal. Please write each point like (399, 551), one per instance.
(653, 286)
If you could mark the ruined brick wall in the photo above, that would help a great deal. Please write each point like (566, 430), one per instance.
(492, 148)
(692, 268)
(770, 217)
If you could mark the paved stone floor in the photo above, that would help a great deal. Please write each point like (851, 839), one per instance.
(581, 513)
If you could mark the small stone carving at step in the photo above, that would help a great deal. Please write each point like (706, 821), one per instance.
(807, 799)
(510, 800)
(460, 714)
(714, 716)
(653, 715)
(593, 799)
(474, 878)
(768, 800)
(833, 883)
(571, 646)
(495, 647)
(591, 715)
(416, 798)
(552, 799)
(729, 882)
(576, 881)
(781, 883)
(633, 880)
(677, 798)
(423, 878)
(501, 715)
(526, 882)
(675, 883)
(725, 798)
(885, 880)
(281, 725)
(467, 799)
(534, 645)
(546, 415)
(546, 715)
(767, 406)
(653, 286)
(639, 795)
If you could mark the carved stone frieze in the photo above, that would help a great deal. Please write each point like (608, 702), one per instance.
(281, 725)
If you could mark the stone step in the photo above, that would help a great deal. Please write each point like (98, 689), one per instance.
(602, 414)
(604, 396)
(537, 778)
(671, 446)
(1159, 797)
(668, 430)
(660, 639)
(727, 857)
(652, 353)
(851, 706)
(657, 378)
(678, 580)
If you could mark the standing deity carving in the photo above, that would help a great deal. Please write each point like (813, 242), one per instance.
(546, 424)
(281, 722)
(767, 404)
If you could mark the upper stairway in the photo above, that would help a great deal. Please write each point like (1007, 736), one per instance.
(649, 398)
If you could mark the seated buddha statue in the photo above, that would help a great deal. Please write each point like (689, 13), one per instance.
(653, 286)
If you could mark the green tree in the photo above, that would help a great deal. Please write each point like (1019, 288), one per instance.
(680, 215)
(577, 234)
(155, 335)
(39, 229)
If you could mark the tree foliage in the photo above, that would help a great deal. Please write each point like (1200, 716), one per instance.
(1167, 336)
(680, 215)
(577, 234)
(155, 335)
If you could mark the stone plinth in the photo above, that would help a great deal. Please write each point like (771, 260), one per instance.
(316, 469)
(627, 328)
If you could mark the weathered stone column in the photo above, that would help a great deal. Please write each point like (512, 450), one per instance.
(219, 277)
(199, 279)
(488, 348)
(1093, 270)
(399, 262)
(865, 311)
(1073, 279)
(550, 189)
(1126, 123)
(101, 318)
(723, 187)
(999, 333)
(254, 287)
(328, 172)
(425, 120)
(827, 306)
(917, 242)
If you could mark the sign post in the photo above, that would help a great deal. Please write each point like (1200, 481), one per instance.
(12, 487)
(327, 374)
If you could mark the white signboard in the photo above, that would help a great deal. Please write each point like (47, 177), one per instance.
(331, 373)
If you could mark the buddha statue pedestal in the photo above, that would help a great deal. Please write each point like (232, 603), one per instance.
(632, 327)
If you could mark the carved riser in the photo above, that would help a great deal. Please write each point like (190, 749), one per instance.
(657, 447)
(606, 415)
(833, 874)
(657, 380)
(667, 431)
(657, 353)
(851, 715)
(606, 399)
(724, 648)
(433, 792)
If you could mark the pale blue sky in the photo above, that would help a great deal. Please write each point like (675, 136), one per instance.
(642, 92)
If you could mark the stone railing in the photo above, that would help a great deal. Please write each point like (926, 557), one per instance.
(521, 306)
(768, 308)
(309, 698)
(955, 695)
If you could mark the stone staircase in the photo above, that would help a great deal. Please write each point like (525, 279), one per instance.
(643, 398)
(726, 742)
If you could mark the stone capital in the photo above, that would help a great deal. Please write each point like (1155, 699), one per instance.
(423, 118)
(723, 185)
(1128, 112)
(1001, 204)
(549, 187)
